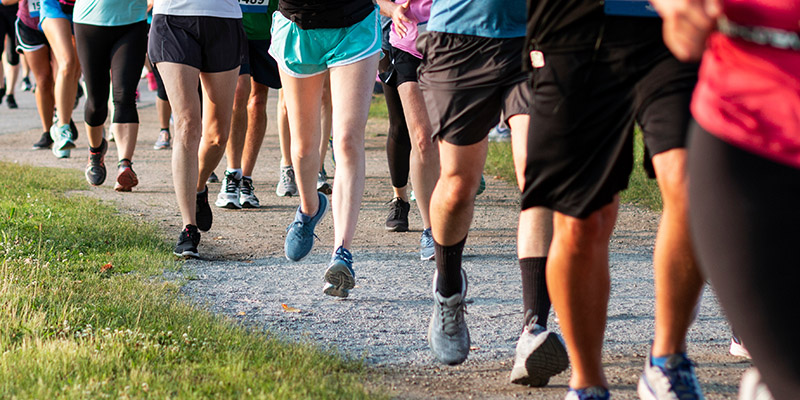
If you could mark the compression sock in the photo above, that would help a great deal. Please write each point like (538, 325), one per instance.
(534, 289)
(448, 266)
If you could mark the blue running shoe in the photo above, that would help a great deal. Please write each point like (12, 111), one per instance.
(675, 380)
(300, 233)
(426, 249)
(340, 277)
(590, 393)
(62, 137)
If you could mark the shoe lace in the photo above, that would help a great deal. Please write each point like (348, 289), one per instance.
(452, 316)
(427, 240)
(395, 211)
(301, 227)
(247, 186)
(231, 183)
(682, 380)
(344, 254)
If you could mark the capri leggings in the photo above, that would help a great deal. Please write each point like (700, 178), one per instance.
(8, 15)
(398, 142)
(121, 50)
(744, 218)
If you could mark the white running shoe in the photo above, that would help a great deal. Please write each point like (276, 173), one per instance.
(228, 196)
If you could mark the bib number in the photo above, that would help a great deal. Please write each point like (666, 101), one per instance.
(33, 8)
(254, 6)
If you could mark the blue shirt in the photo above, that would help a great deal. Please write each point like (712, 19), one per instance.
(109, 12)
(488, 18)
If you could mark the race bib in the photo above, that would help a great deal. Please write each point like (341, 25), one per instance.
(254, 6)
(33, 8)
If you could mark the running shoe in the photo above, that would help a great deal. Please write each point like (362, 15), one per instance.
(322, 185)
(26, 86)
(62, 137)
(3, 91)
(500, 133)
(427, 251)
(202, 213)
(228, 196)
(247, 194)
(212, 178)
(300, 233)
(151, 82)
(96, 167)
(481, 186)
(11, 102)
(737, 348)
(126, 178)
(340, 277)
(287, 186)
(187, 243)
(163, 141)
(78, 96)
(45, 142)
(752, 387)
(74, 130)
(540, 355)
(448, 336)
(676, 380)
(590, 393)
(397, 220)
(110, 135)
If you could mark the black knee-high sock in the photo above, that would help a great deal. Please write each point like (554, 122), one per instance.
(448, 266)
(534, 289)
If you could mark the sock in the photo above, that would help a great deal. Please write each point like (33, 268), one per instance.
(237, 172)
(448, 266)
(534, 289)
(95, 149)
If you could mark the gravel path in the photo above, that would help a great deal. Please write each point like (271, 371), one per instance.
(244, 275)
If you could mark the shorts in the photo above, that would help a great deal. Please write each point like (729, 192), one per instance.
(307, 52)
(402, 68)
(209, 44)
(260, 65)
(29, 39)
(585, 103)
(468, 81)
(54, 9)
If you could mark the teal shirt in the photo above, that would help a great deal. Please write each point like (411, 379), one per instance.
(109, 12)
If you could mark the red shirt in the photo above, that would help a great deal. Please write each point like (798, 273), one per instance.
(748, 94)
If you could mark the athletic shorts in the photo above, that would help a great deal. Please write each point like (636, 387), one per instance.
(307, 52)
(402, 68)
(260, 65)
(54, 9)
(29, 39)
(209, 44)
(468, 81)
(585, 103)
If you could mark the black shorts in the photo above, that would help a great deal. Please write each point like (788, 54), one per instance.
(260, 64)
(585, 103)
(29, 39)
(209, 44)
(468, 81)
(402, 67)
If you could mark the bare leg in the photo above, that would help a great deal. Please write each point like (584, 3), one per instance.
(125, 136)
(39, 62)
(424, 151)
(12, 75)
(256, 127)
(164, 111)
(238, 123)
(218, 93)
(59, 34)
(678, 281)
(326, 122)
(578, 282)
(284, 135)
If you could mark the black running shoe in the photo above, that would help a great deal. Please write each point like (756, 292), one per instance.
(212, 178)
(397, 220)
(203, 212)
(187, 243)
(96, 167)
(74, 129)
(44, 143)
(78, 96)
(11, 102)
(3, 91)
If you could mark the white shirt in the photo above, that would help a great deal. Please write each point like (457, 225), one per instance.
(200, 8)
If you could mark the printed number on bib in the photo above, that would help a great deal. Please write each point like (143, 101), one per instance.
(254, 6)
(33, 7)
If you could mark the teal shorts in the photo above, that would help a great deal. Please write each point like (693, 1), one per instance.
(307, 52)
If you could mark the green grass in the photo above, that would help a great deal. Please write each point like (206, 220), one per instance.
(377, 108)
(641, 191)
(68, 329)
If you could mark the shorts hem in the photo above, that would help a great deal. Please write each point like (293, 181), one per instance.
(353, 60)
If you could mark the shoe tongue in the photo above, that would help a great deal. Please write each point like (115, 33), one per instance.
(451, 301)
(674, 361)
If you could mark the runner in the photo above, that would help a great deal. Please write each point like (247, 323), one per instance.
(8, 15)
(111, 35)
(342, 38)
(408, 19)
(191, 41)
(594, 75)
(55, 20)
(745, 172)
(249, 122)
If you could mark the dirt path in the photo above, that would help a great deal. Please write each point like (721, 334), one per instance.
(244, 275)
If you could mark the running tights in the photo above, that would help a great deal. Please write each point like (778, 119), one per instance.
(120, 50)
(398, 142)
(745, 222)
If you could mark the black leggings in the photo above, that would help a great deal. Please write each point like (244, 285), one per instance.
(120, 49)
(398, 143)
(8, 42)
(745, 222)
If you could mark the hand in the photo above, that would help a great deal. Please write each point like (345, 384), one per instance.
(399, 19)
(687, 24)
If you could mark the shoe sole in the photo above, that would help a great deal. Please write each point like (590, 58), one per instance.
(42, 147)
(67, 146)
(187, 254)
(341, 280)
(126, 182)
(325, 189)
(160, 147)
(248, 204)
(228, 204)
(430, 258)
(548, 360)
(285, 194)
(398, 228)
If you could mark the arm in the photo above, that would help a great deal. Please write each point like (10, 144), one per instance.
(397, 13)
(8, 3)
(149, 5)
(687, 24)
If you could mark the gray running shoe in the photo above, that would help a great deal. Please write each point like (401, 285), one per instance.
(287, 186)
(426, 248)
(397, 220)
(228, 196)
(247, 194)
(676, 380)
(448, 336)
(540, 355)
(163, 141)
